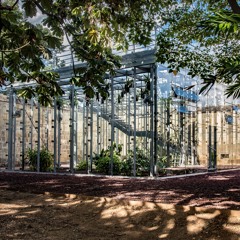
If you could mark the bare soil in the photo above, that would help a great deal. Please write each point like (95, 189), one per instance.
(50, 206)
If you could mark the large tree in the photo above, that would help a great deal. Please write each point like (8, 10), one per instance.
(203, 36)
(23, 48)
(199, 35)
(92, 28)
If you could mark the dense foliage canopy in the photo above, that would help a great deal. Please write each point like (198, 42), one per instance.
(201, 36)
(92, 28)
(23, 48)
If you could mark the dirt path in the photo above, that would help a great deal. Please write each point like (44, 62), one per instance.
(37, 216)
(59, 210)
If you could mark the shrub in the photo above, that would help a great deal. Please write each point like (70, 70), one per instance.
(46, 160)
(103, 164)
(102, 161)
(162, 162)
(81, 166)
(142, 162)
(124, 166)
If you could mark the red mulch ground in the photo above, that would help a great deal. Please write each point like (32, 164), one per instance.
(218, 190)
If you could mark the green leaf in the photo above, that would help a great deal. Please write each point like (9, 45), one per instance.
(47, 4)
(77, 10)
(208, 84)
(90, 93)
(26, 93)
(233, 90)
(93, 36)
(30, 8)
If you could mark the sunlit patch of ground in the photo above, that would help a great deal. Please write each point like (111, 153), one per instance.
(69, 216)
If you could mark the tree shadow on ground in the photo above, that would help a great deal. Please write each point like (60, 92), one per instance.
(67, 216)
(217, 190)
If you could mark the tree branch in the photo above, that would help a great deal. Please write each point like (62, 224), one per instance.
(8, 8)
(15, 3)
(234, 6)
(16, 49)
(45, 12)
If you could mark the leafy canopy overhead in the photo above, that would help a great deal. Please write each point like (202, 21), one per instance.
(92, 28)
(23, 48)
(203, 36)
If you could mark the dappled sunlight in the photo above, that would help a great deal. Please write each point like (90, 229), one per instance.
(59, 216)
(27, 213)
(166, 230)
(154, 196)
(172, 212)
(233, 228)
(234, 190)
(195, 224)
(13, 206)
(163, 236)
(10, 208)
(107, 213)
(154, 228)
(218, 190)
(233, 222)
(207, 215)
(68, 204)
(7, 211)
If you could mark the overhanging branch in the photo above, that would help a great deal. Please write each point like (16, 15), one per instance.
(16, 49)
(8, 8)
